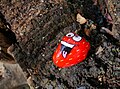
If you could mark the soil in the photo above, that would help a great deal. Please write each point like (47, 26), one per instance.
(39, 26)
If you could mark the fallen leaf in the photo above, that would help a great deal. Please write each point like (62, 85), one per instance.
(87, 31)
(81, 19)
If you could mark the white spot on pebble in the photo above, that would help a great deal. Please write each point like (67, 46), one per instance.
(83, 51)
(79, 59)
(56, 51)
(61, 60)
(70, 58)
(72, 64)
(78, 50)
(83, 42)
(84, 55)
(57, 56)
(68, 39)
(53, 57)
(56, 61)
(70, 54)
(78, 56)
(86, 45)
(67, 63)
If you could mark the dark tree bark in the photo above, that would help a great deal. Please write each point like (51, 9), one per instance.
(40, 25)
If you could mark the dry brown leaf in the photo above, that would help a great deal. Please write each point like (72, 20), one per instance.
(81, 19)
(87, 32)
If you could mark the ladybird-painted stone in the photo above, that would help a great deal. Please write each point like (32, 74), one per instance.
(71, 50)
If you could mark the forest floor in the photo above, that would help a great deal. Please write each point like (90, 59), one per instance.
(39, 26)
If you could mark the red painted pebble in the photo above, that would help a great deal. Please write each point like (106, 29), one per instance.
(72, 50)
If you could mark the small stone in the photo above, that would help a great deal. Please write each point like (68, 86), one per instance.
(43, 37)
(100, 49)
(61, 7)
(42, 0)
